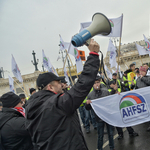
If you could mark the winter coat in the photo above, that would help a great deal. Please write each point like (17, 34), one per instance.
(142, 82)
(94, 95)
(12, 130)
(52, 119)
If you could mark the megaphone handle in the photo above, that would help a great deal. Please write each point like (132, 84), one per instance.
(87, 43)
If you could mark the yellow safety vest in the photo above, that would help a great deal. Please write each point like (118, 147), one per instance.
(130, 77)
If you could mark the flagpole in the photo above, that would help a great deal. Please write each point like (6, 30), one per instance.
(118, 57)
(71, 63)
(25, 89)
(19, 86)
(141, 59)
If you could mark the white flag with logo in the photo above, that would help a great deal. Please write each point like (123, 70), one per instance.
(66, 76)
(74, 51)
(142, 50)
(147, 43)
(52, 67)
(112, 57)
(124, 110)
(46, 62)
(11, 84)
(116, 26)
(109, 74)
(16, 70)
(63, 45)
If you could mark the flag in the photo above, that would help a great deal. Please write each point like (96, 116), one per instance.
(127, 109)
(63, 45)
(58, 57)
(147, 43)
(112, 57)
(109, 74)
(113, 71)
(16, 70)
(52, 68)
(11, 84)
(120, 72)
(116, 26)
(47, 64)
(74, 51)
(142, 50)
(66, 76)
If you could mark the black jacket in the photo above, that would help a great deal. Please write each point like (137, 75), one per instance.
(94, 95)
(52, 119)
(12, 130)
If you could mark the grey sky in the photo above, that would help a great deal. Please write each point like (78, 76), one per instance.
(27, 25)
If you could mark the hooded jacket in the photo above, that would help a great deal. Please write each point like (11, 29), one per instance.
(12, 130)
(52, 119)
(142, 82)
(94, 95)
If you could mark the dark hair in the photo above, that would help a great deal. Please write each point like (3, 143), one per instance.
(145, 64)
(131, 65)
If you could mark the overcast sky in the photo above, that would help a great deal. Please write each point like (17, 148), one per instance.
(27, 25)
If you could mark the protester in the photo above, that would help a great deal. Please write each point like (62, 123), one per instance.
(145, 65)
(23, 99)
(51, 117)
(98, 93)
(114, 78)
(131, 75)
(32, 91)
(114, 89)
(125, 80)
(12, 124)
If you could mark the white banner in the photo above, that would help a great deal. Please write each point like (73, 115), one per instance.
(124, 110)
(116, 26)
(109, 74)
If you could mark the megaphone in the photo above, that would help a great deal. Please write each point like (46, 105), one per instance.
(100, 25)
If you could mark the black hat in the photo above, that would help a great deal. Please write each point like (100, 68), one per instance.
(114, 74)
(63, 81)
(31, 90)
(22, 96)
(46, 78)
(10, 100)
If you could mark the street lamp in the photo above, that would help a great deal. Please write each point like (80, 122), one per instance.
(34, 62)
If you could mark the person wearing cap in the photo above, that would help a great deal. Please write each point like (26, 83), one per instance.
(14, 136)
(51, 115)
(32, 91)
(99, 92)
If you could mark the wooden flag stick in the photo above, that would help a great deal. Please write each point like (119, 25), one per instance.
(25, 89)
(72, 63)
(141, 59)
(118, 57)
(19, 86)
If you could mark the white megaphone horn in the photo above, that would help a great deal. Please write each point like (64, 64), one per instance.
(99, 25)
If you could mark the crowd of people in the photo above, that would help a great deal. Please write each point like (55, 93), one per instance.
(48, 120)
